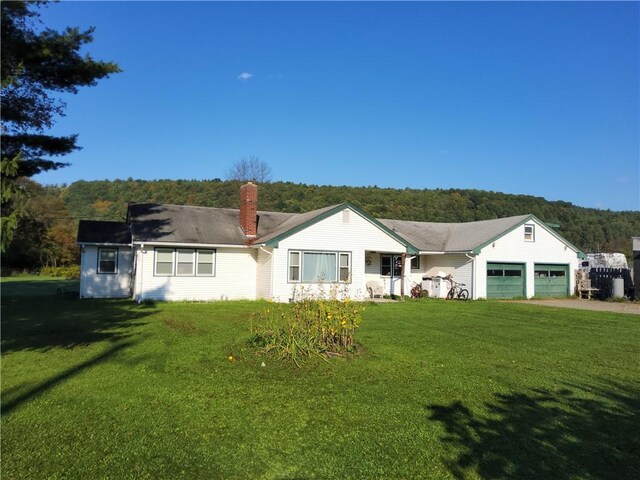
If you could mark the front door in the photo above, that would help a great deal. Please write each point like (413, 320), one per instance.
(391, 266)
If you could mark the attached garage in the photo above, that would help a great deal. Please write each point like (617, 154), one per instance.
(505, 280)
(551, 280)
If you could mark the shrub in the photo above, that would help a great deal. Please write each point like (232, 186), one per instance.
(71, 272)
(322, 327)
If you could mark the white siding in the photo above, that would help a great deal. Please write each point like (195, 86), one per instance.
(104, 285)
(512, 248)
(263, 274)
(235, 278)
(458, 265)
(349, 233)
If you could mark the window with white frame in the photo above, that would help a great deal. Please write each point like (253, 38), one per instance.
(345, 267)
(415, 263)
(185, 262)
(107, 260)
(294, 266)
(319, 267)
(164, 261)
(185, 259)
(206, 263)
(529, 233)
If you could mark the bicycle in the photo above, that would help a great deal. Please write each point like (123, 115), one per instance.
(457, 291)
(418, 292)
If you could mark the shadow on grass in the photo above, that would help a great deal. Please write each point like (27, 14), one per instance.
(580, 431)
(43, 323)
(38, 287)
(9, 405)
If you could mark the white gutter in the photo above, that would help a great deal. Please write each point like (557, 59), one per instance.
(104, 243)
(194, 245)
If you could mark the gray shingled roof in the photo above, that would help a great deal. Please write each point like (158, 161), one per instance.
(91, 231)
(221, 226)
(452, 237)
(189, 224)
(295, 220)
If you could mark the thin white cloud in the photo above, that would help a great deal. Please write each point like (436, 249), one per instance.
(245, 76)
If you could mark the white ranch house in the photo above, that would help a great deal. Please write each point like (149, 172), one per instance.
(175, 252)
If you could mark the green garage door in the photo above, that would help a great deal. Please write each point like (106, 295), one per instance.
(505, 280)
(551, 280)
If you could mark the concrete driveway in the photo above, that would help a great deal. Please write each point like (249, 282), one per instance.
(580, 304)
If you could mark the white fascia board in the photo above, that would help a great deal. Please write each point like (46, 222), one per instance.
(190, 245)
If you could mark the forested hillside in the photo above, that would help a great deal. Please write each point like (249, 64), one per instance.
(590, 229)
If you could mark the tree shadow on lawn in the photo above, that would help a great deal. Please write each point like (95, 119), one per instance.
(44, 323)
(12, 403)
(579, 431)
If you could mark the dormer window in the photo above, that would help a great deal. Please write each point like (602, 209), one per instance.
(529, 233)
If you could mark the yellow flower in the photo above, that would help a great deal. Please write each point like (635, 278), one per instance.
(231, 358)
(344, 322)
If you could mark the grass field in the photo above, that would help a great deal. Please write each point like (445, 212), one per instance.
(111, 389)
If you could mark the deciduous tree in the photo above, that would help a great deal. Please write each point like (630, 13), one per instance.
(250, 169)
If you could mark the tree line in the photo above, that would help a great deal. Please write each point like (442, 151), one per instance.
(46, 236)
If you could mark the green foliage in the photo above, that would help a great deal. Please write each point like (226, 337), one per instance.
(71, 272)
(590, 229)
(36, 63)
(308, 327)
(13, 199)
(45, 234)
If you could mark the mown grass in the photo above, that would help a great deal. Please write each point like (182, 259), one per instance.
(110, 389)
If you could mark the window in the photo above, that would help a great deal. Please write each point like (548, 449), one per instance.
(319, 267)
(415, 263)
(386, 261)
(185, 262)
(188, 262)
(206, 261)
(107, 260)
(164, 261)
(529, 233)
(294, 266)
(345, 261)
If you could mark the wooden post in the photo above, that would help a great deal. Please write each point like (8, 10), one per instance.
(404, 257)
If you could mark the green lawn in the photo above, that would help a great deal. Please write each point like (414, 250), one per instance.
(110, 389)
(37, 285)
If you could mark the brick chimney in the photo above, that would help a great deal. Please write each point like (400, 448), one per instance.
(249, 209)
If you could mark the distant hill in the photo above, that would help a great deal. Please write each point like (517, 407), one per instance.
(590, 229)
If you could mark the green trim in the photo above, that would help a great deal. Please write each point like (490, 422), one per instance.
(275, 240)
(553, 225)
(579, 252)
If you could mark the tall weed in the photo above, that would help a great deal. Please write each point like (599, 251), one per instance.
(310, 326)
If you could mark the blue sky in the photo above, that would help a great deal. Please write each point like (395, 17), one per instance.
(527, 98)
